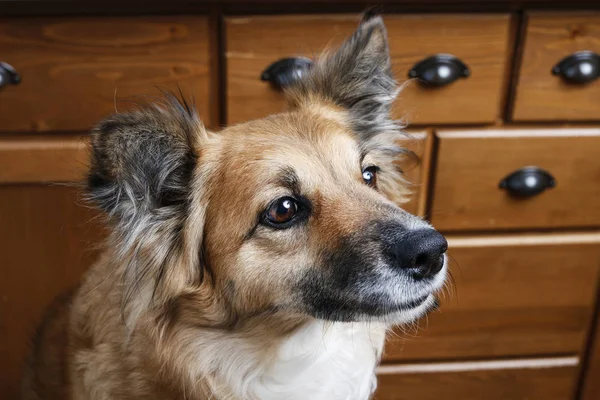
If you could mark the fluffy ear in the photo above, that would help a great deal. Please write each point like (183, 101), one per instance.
(142, 160)
(141, 172)
(357, 77)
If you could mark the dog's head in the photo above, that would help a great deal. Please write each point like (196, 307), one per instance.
(295, 213)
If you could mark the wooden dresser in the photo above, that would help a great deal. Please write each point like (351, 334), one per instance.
(505, 116)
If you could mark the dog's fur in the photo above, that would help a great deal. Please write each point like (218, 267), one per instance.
(197, 296)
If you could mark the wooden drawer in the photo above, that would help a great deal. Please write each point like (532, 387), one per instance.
(542, 95)
(73, 70)
(471, 165)
(517, 295)
(43, 158)
(65, 158)
(480, 41)
(537, 379)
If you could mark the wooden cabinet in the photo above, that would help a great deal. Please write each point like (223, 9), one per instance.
(75, 71)
(514, 295)
(480, 41)
(48, 238)
(514, 320)
(537, 379)
(543, 94)
(472, 164)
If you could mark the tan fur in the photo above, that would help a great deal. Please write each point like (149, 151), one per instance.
(128, 363)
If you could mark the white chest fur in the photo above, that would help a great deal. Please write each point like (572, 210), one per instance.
(321, 361)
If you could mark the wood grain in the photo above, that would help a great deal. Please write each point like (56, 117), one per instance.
(47, 240)
(471, 164)
(517, 295)
(43, 158)
(76, 71)
(590, 384)
(481, 41)
(490, 384)
(549, 38)
(417, 171)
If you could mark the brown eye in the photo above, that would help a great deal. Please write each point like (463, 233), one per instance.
(282, 210)
(370, 176)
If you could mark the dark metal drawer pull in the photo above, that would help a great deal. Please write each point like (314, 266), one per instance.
(439, 70)
(581, 67)
(527, 182)
(286, 71)
(8, 75)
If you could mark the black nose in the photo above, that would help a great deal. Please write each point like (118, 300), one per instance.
(422, 252)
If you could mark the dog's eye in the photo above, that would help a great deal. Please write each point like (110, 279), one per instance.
(370, 176)
(281, 211)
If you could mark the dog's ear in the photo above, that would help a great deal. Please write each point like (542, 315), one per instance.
(142, 160)
(357, 77)
(142, 167)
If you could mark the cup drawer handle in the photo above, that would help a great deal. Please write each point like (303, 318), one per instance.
(8, 75)
(286, 71)
(439, 70)
(581, 67)
(527, 182)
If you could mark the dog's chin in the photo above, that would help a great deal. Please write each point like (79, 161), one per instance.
(406, 313)
(383, 312)
(392, 311)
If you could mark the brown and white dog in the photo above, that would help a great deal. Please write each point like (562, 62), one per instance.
(265, 261)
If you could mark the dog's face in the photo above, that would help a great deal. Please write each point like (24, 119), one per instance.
(295, 213)
(297, 221)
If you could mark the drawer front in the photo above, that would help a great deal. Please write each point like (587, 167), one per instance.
(516, 295)
(43, 158)
(542, 95)
(417, 170)
(472, 164)
(73, 71)
(538, 379)
(480, 41)
(65, 158)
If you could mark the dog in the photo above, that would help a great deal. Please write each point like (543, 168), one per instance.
(265, 261)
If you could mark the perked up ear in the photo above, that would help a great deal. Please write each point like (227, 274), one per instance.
(357, 77)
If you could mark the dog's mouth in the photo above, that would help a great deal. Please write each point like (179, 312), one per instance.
(414, 303)
(410, 311)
